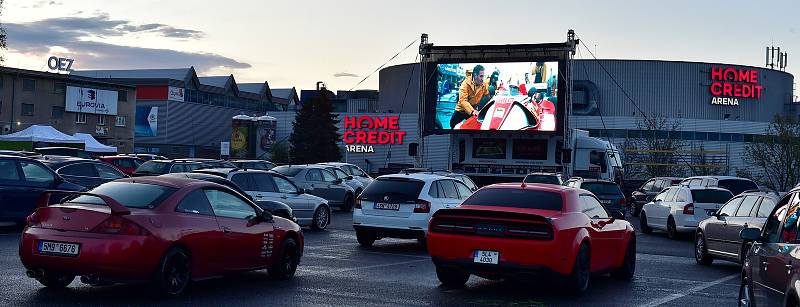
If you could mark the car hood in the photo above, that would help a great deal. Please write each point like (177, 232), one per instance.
(314, 198)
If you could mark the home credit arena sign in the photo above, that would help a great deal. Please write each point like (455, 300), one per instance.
(361, 132)
(729, 84)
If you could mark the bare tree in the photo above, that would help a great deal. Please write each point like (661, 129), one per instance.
(774, 158)
(3, 46)
(653, 153)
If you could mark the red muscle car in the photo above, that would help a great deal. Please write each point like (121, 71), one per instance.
(513, 230)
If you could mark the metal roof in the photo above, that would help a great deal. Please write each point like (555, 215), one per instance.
(180, 74)
(218, 81)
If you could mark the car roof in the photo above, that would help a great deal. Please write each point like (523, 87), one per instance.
(58, 147)
(543, 174)
(716, 177)
(598, 181)
(693, 188)
(4, 156)
(536, 186)
(418, 176)
(174, 161)
(667, 178)
(245, 160)
(167, 181)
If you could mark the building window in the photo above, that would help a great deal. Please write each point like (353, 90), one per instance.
(57, 112)
(27, 109)
(101, 120)
(122, 95)
(80, 118)
(121, 121)
(59, 87)
(28, 85)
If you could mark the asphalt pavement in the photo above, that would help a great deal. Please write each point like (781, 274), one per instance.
(336, 271)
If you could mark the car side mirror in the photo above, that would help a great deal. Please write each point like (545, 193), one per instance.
(349, 177)
(337, 181)
(619, 215)
(266, 216)
(750, 234)
(300, 191)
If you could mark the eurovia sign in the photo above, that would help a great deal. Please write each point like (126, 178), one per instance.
(362, 132)
(729, 84)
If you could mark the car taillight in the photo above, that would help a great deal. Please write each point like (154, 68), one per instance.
(622, 202)
(422, 206)
(32, 220)
(688, 209)
(358, 203)
(120, 226)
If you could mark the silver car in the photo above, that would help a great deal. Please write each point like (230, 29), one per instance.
(317, 180)
(347, 179)
(309, 210)
(353, 170)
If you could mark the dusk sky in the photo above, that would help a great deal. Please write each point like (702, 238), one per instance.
(296, 43)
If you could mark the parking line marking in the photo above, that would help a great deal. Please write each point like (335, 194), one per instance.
(342, 270)
(690, 291)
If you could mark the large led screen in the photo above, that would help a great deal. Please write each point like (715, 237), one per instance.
(505, 96)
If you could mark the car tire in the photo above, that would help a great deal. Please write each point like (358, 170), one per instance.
(578, 280)
(745, 293)
(321, 219)
(672, 231)
(348, 203)
(55, 280)
(174, 272)
(643, 224)
(628, 268)
(365, 239)
(286, 264)
(451, 277)
(701, 255)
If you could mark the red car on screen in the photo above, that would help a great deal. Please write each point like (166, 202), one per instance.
(517, 230)
(125, 164)
(168, 231)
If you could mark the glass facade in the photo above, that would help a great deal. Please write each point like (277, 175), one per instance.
(684, 135)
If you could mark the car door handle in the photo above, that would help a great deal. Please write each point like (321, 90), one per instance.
(226, 229)
(284, 196)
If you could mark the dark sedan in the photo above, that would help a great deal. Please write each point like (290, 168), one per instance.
(645, 193)
(718, 236)
(22, 181)
(84, 172)
(771, 269)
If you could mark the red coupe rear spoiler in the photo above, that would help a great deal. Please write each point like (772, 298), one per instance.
(116, 207)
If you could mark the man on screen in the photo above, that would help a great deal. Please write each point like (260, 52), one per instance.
(472, 90)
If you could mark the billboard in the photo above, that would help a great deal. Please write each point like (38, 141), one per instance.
(494, 96)
(89, 100)
(146, 123)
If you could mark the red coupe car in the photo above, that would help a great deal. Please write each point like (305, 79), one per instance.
(125, 164)
(167, 230)
(512, 230)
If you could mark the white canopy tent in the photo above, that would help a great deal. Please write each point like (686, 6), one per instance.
(93, 145)
(40, 133)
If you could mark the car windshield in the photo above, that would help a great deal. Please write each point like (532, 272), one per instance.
(530, 199)
(737, 186)
(601, 188)
(288, 170)
(403, 189)
(711, 196)
(129, 194)
(542, 179)
(152, 167)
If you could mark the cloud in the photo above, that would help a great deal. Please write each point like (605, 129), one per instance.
(79, 36)
(42, 3)
(344, 74)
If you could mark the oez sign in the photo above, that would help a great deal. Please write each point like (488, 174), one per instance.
(60, 64)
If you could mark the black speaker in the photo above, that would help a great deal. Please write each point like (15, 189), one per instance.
(412, 149)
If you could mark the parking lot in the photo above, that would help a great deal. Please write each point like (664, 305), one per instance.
(336, 271)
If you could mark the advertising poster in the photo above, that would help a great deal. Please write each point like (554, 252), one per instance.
(239, 145)
(146, 121)
(507, 96)
(89, 100)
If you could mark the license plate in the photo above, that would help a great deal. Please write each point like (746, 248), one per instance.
(385, 206)
(488, 257)
(605, 202)
(59, 248)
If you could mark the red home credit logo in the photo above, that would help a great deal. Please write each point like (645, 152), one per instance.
(361, 132)
(729, 84)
